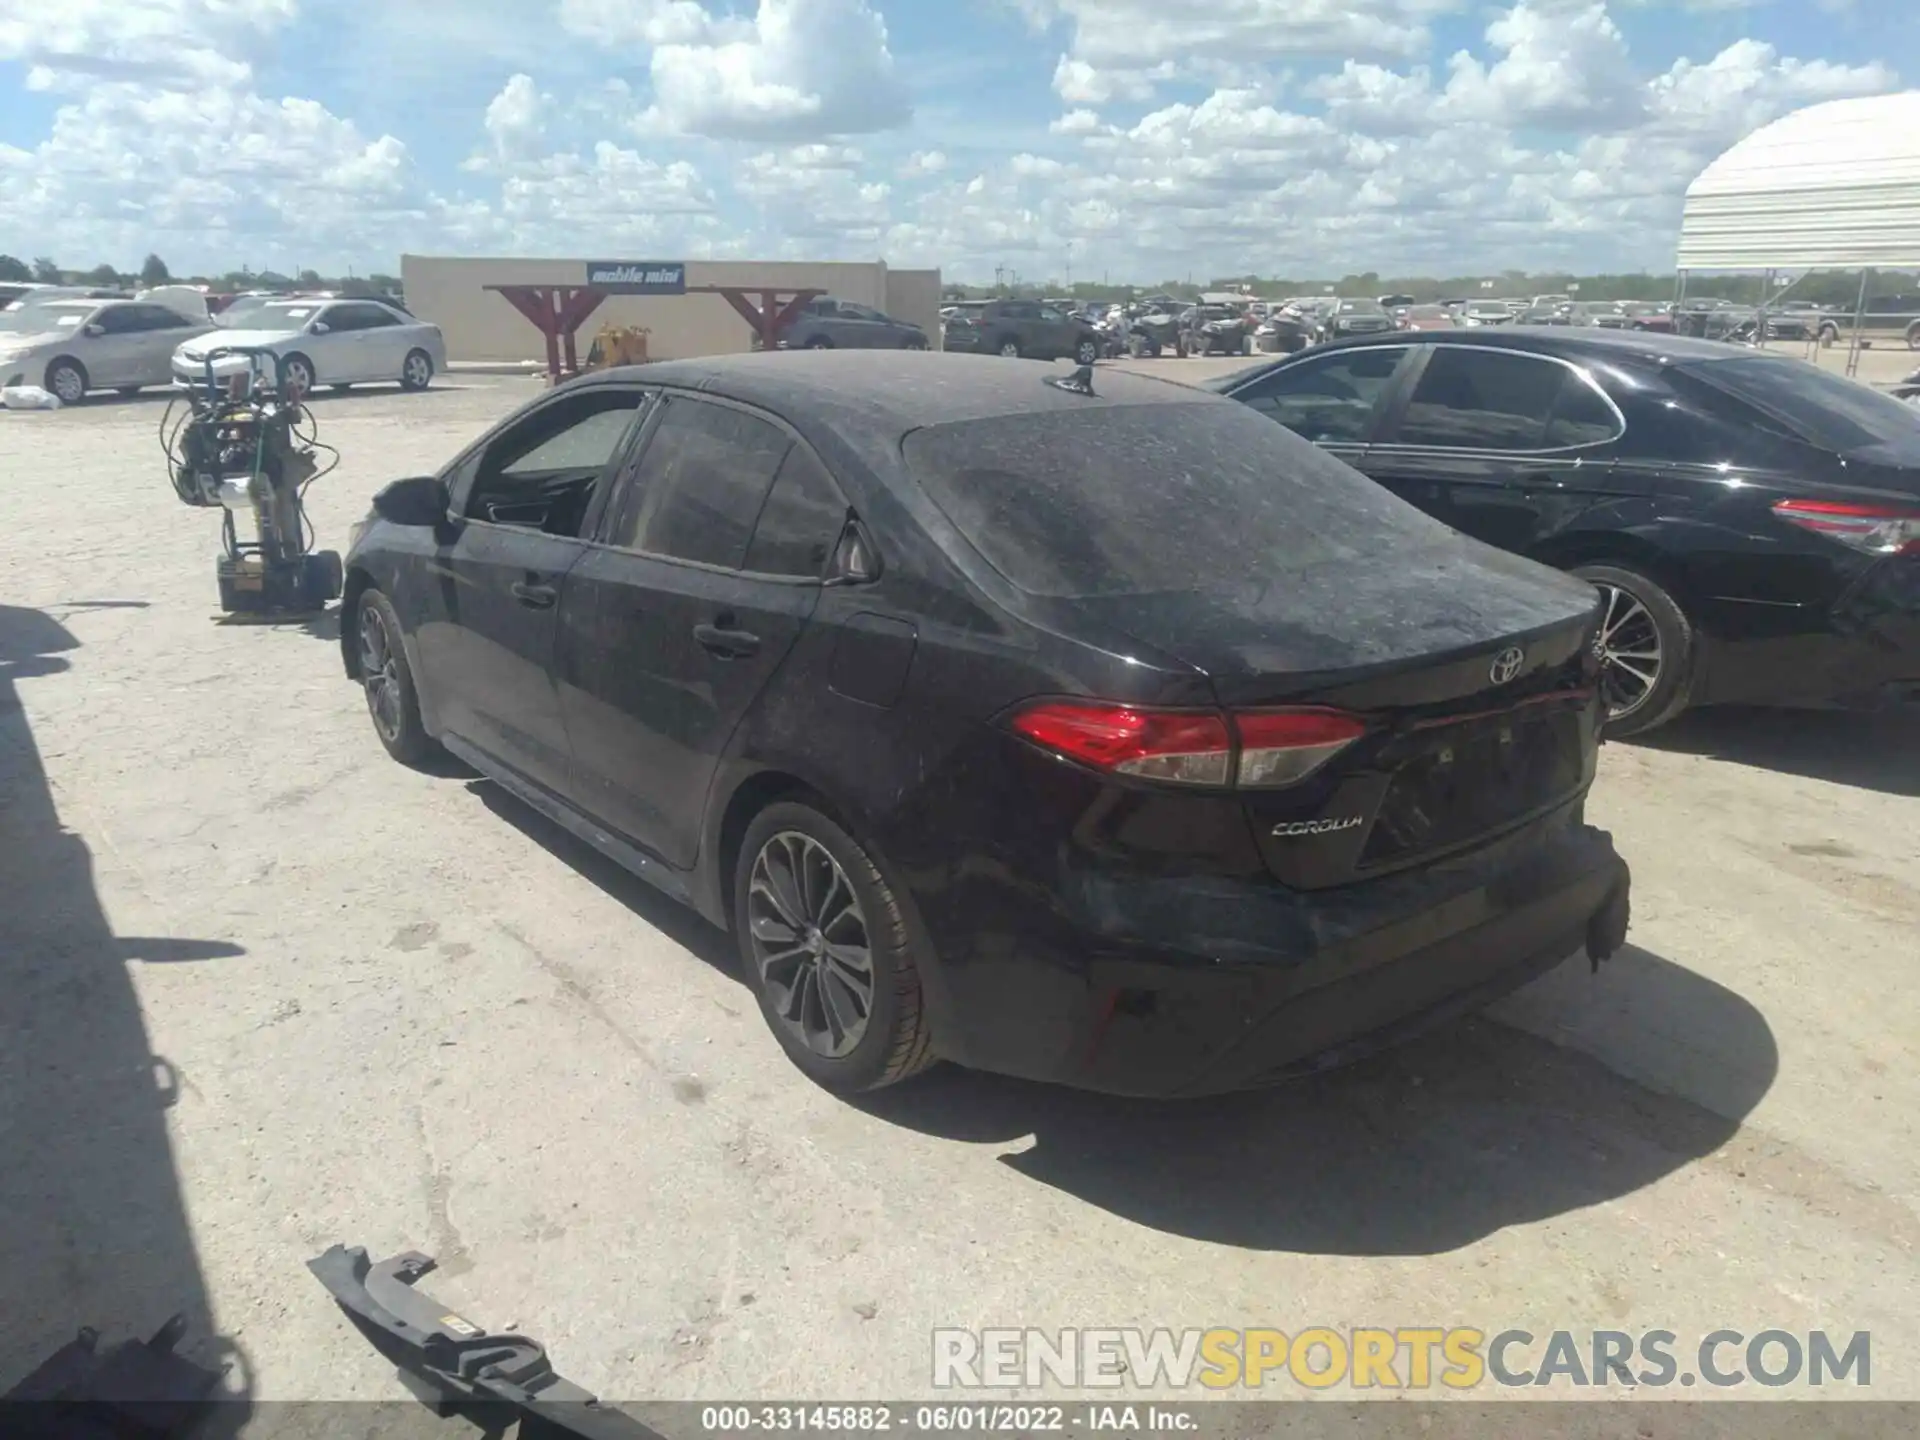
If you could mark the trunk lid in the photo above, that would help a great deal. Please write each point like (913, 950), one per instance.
(1465, 739)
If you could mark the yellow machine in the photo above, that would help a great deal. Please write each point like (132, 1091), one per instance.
(618, 345)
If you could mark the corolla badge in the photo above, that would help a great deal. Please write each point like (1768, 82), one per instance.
(1318, 827)
(1506, 665)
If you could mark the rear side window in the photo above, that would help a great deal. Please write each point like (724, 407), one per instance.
(1827, 409)
(700, 483)
(1332, 398)
(801, 521)
(1471, 398)
(1191, 498)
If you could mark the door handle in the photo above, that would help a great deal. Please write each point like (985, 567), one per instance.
(726, 644)
(534, 596)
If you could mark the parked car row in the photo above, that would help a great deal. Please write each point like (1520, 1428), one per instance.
(75, 345)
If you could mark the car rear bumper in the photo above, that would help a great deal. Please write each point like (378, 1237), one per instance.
(1862, 651)
(1196, 986)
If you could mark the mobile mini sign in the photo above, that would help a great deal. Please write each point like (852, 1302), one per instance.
(638, 277)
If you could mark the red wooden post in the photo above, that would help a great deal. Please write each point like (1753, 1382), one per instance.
(556, 311)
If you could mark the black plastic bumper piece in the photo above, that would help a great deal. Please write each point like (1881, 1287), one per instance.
(457, 1367)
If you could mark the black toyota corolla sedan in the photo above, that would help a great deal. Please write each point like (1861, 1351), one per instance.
(1752, 521)
(1117, 738)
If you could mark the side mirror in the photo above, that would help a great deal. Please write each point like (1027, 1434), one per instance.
(96, 330)
(421, 500)
(319, 327)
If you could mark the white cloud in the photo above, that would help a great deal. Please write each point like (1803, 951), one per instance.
(925, 162)
(1030, 167)
(1077, 122)
(515, 123)
(824, 206)
(76, 43)
(1142, 34)
(127, 169)
(1562, 66)
(650, 22)
(799, 69)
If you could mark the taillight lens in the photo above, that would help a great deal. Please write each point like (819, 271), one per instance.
(1187, 747)
(1183, 746)
(1870, 529)
(1280, 747)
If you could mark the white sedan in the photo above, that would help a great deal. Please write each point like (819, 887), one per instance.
(327, 342)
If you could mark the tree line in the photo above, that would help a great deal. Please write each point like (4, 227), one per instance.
(154, 271)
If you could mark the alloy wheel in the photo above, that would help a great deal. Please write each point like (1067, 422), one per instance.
(68, 385)
(380, 674)
(810, 943)
(419, 370)
(298, 376)
(1630, 653)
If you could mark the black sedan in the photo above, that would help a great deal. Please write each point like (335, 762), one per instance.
(1753, 522)
(1119, 738)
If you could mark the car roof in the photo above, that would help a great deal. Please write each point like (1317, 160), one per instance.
(1596, 344)
(879, 391)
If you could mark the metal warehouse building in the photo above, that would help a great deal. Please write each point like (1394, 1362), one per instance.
(480, 325)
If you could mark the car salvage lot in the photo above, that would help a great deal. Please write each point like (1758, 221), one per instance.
(268, 991)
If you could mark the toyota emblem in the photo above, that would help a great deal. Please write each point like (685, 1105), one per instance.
(1506, 665)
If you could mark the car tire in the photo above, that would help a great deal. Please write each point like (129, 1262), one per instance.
(393, 700)
(1086, 352)
(67, 379)
(818, 342)
(1913, 336)
(416, 371)
(795, 982)
(1644, 624)
(296, 372)
(917, 343)
(1008, 349)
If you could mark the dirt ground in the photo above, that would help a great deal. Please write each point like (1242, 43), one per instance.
(262, 990)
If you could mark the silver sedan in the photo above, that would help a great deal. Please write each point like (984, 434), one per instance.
(73, 346)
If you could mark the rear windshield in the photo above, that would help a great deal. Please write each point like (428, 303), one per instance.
(1831, 411)
(1145, 499)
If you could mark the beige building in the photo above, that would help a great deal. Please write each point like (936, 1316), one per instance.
(480, 325)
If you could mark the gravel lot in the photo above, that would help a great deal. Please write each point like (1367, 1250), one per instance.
(262, 990)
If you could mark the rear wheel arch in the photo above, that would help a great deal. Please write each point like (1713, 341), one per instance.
(1617, 547)
(749, 798)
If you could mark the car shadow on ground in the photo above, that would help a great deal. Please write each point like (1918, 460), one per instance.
(679, 923)
(96, 1230)
(1418, 1151)
(1877, 750)
(320, 624)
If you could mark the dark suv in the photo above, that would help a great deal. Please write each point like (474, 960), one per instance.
(1017, 328)
(1752, 521)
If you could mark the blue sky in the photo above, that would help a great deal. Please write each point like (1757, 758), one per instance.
(1133, 138)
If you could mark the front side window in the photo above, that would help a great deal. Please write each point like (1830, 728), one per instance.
(1329, 399)
(542, 472)
(700, 483)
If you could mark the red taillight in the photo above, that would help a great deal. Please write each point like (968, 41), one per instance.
(1279, 747)
(1187, 747)
(1870, 529)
